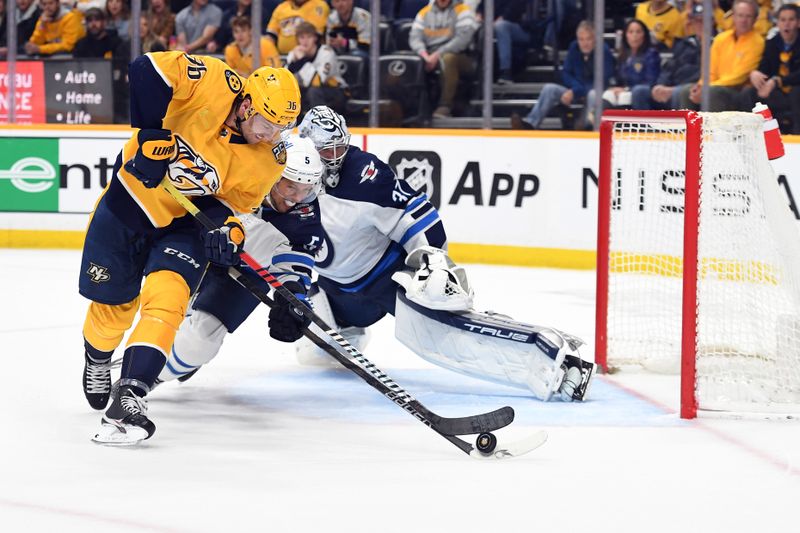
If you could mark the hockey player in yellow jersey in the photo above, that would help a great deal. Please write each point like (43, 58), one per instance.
(217, 138)
(289, 14)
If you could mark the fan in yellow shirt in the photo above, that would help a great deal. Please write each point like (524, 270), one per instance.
(289, 14)
(663, 21)
(734, 54)
(57, 30)
(239, 54)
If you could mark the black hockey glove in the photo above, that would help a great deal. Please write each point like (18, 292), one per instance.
(286, 324)
(224, 245)
(156, 148)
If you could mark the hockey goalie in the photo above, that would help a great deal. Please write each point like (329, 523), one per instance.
(395, 261)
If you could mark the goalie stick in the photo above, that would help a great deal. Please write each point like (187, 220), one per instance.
(352, 359)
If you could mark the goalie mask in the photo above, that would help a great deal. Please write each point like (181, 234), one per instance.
(328, 131)
(301, 178)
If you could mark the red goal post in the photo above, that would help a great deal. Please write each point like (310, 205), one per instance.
(692, 276)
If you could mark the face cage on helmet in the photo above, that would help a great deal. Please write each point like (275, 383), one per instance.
(335, 163)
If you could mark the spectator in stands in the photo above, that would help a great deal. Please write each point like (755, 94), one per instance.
(719, 14)
(577, 77)
(151, 42)
(28, 12)
(84, 5)
(239, 54)
(683, 68)
(196, 25)
(99, 41)
(559, 13)
(289, 14)
(440, 34)
(763, 22)
(348, 28)
(241, 8)
(663, 20)
(508, 31)
(734, 54)
(118, 17)
(57, 30)
(317, 70)
(776, 81)
(161, 21)
(638, 66)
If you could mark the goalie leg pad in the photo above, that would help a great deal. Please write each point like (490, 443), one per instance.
(487, 346)
(198, 341)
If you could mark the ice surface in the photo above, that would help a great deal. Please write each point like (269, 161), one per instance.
(255, 442)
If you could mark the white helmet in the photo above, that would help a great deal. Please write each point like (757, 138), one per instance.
(328, 131)
(303, 164)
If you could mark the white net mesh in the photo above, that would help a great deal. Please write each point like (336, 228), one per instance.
(748, 304)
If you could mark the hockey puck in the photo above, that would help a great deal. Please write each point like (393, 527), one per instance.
(486, 443)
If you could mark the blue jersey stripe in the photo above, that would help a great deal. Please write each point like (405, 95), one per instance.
(414, 204)
(419, 226)
(293, 258)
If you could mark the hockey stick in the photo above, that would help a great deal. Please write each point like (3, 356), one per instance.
(486, 446)
(351, 358)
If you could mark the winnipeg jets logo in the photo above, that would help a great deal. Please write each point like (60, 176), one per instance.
(369, 173)
(190, 173)
(98, 273)
(418, 173)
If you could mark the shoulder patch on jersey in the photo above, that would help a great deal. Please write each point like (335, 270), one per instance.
(196, 67)
(369, 173)
(279, 152)
(234, 81)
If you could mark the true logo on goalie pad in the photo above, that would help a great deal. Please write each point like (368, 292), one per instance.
(98, 273)
(497, 332)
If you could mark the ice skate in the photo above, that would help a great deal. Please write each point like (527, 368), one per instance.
(125, 422)
(97, 381)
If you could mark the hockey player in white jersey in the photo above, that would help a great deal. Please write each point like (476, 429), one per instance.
(283, 235)
(380, 232)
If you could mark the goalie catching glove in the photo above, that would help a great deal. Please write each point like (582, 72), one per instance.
(438, 283)
(151, 161)
(223, 245)
(285, 322)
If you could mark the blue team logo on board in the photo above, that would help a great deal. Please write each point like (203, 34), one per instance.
(190, 173)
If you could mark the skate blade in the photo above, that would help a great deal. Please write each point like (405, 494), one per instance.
(111, 434)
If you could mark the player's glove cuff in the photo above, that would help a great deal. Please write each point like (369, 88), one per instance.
(151, 161)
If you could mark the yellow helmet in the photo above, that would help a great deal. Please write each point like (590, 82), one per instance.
(274, 94)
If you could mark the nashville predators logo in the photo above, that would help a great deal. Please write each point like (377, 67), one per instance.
(234, 81)
(98, 273)
(279, 151)
(190, 173)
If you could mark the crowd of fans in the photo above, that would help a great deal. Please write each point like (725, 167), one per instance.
(654, 65)
(754, 56)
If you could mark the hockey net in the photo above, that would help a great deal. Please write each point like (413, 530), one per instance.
(698, 260)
